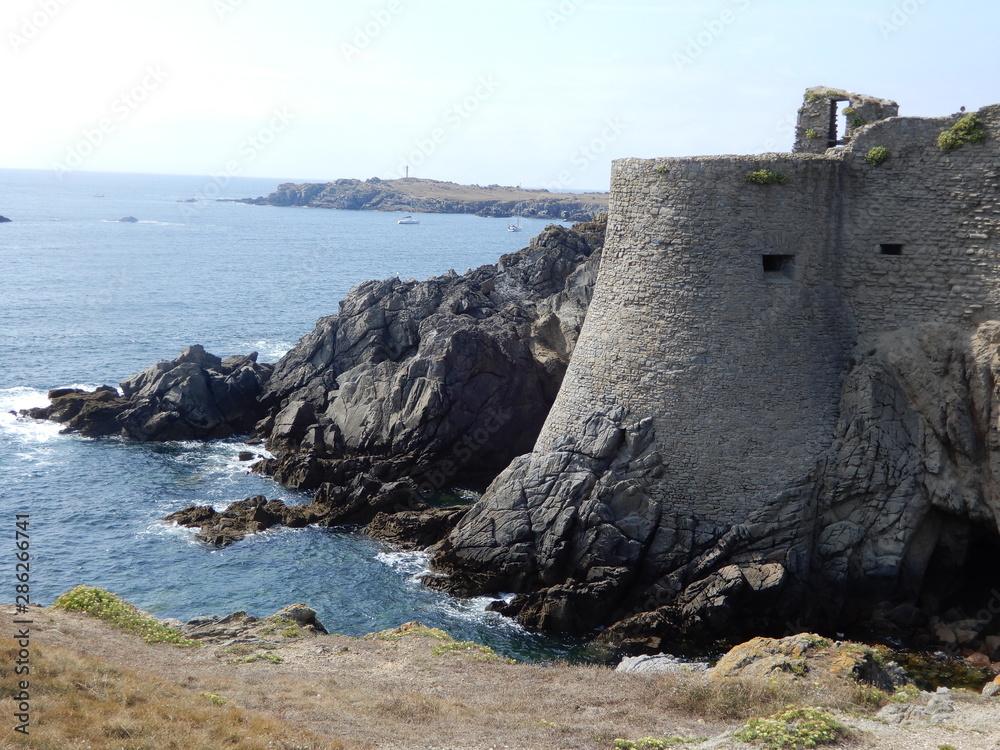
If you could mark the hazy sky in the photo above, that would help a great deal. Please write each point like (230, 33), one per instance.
(523, 92)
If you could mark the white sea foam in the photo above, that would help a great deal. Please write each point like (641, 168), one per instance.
(411, 564)
(270, 350)
(24, 428)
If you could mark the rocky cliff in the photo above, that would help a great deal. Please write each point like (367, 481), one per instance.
(441, 382)
(412, 390)
(895, 532)
(431, 196)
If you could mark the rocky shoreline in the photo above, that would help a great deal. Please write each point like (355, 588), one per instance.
(413, 195)
(416, 388)
(413, 389)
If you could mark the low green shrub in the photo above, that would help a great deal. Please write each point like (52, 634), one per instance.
(765, 177)
(793, 728)
(111, 608)
(968, 129)
(878, 155)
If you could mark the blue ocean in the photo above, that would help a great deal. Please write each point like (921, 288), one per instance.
(86, 299)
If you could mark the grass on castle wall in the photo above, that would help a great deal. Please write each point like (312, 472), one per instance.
(80, 702)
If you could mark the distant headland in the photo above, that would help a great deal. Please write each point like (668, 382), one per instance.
(412, 194)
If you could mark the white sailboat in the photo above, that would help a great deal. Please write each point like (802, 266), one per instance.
(408, 220)
(515, 227)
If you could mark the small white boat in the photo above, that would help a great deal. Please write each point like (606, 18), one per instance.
(408, 220)
(516, 227)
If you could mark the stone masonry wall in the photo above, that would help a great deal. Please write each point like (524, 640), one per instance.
(942, 206)
(739, 360)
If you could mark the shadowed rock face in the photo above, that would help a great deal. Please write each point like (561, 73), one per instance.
(196, 396)
(896, 530)
(440, 382)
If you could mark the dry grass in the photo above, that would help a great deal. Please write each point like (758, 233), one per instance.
(79, 702)
(401, 689)
(422, 188)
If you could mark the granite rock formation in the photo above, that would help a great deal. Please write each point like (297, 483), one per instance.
(430, 196)
(440, 383)
(195, 396)
(415, 388)
(894, 532)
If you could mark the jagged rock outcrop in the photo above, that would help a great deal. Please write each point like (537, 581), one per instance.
(195, 396)
(294, 621)
(4, 220)
(356, 502)
(432, 196)
(413, 389)
(415, 529)
(439, 382)
(895, 531)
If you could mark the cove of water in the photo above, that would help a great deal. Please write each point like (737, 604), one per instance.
(86, 299)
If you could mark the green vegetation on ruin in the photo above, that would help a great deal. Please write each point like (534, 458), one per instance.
(969, 129)
(765, 177)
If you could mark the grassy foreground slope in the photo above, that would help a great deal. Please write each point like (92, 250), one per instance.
(95, 686)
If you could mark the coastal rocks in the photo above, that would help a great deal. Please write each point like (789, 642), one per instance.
(807, 654)
(412, 195)
(195, 396)
(564, 528)
(439, 382)
(658, 664)
(93, 414)
(128, 220)
(357, 502)
(897, 523)
(294, 621)
(415, 529)
(4, 220)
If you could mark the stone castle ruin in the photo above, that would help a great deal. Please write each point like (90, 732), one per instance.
(782, 410)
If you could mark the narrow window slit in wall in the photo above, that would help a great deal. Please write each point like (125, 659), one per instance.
(891, 248)
(778, 266)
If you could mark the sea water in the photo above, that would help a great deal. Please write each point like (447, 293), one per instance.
(86, 299)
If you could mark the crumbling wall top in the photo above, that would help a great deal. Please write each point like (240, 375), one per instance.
(820, 126)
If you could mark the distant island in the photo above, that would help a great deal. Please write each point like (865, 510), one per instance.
(412, 194)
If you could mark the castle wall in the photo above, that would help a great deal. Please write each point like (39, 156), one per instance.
(739, 360)
(942, 206)
(738, 366)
